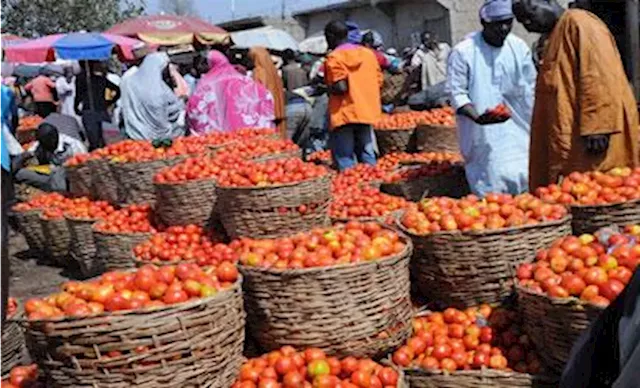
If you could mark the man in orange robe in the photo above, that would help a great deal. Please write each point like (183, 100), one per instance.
(585, 116)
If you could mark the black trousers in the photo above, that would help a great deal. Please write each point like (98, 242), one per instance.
(44, 109)
(92, 121)
(7, 201)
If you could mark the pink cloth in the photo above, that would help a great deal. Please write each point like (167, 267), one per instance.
(225, 100)
(182, 87)
(41, 88)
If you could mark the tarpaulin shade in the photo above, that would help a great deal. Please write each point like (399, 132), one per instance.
(169, 30)
(269, 37)
(74, 46)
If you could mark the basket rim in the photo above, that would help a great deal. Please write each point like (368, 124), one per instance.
(484, 371)
(454, 168)
(476, 233)
(303, 271)
(143, 311)
(41, 216)
(571, 300)
(395, 129)
(283, 185)
(199, 180)
(38, 210)
(81, 219)
(435, 126)
(605, 205)
(117, 233)
(112, 162)
(393, 213)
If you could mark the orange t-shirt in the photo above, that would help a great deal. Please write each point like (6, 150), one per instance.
(361, 103)
(41, 88)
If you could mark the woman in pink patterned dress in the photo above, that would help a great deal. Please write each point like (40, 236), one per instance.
(225, 100)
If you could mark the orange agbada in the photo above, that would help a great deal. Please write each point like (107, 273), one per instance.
(582, 90)
(361, 103)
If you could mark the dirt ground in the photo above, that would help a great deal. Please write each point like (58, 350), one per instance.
(31, 275)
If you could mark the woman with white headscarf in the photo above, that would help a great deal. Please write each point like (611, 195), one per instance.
(150, 108)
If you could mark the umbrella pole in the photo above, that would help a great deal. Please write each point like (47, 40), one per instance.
(89, 88)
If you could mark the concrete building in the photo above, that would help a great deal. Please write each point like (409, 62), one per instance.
(397, 20)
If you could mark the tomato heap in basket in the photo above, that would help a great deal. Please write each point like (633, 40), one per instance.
(79, 159)
(198, 168)
(476, 338)
(417, 172)
(94, 210)
(28, 123)
(358, 175)
(595, 188)
(355, 242)
(407, 120)
(184, 243)
(42, 201)
(584, 267)
(366, 202)
(147, 287)
(495, 211)
(23, 377)
(131, 219)
(273, 172)
(396, 159)
(323, 156)
(260, 147)
(57, 212)
(288, 368)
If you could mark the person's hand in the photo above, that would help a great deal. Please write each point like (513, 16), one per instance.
(597, 144)
(489, 118)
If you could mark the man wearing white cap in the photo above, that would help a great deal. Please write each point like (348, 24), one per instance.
(488, 68)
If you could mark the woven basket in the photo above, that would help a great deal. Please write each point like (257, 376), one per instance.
(485, 378)
(104, 185)
(588, 219)
(193, 344)
(257, 212)
(57, 239)
(135, 179)
(278, 156)
(437, 138)
(83, 246)
(464, 269)
(13, 346)
(452, 184)
(79, 178)
(114, 249)
(185, 203)
(387, 219)
(555, 324)
(361, 309)
(395, 140)
(31, 229)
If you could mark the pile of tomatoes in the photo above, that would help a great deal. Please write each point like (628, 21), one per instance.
(288, 368)
(273, 172)
(93, 210)
(191, 169)
(23, 377)
(350, 179)
(417, 172)
(259, 147)
(184, 243)
(595, 188)
(79, 159)
(394, 160)
(131, 219)
(495, 211)
(407, 120)
(584, 267)
(147, 287)
(500, 112)
(28, 123)
(476, 338)
(320, 157)
(42, 201)
(355, 242)
(365, 202)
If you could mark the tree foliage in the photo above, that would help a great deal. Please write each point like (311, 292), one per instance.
(34, 18)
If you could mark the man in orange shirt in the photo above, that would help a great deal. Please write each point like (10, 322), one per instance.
(353, 78)
(41, 89)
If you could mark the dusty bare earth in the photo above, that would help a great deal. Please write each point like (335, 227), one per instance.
(32, 275)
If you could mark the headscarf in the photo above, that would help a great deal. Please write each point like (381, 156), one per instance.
(225, 100)
(265, 72)
(496, 10)
(354, 35)
(150, 108)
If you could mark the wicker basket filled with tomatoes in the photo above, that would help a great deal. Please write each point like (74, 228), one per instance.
(103, 184)
(274, 198)
(13, 349)
(394, 139)
(436, 132)
(80, 219)
(312, 367)
(358, 297)
(27, 126)
(427, 180)
(478, 347)
(364, 205)
(79, 174)
(186, 192)
(571, 283)
(466, 250)
(179, 326)
(56, 234)
(119, 233)
(598, 199)
(183, 244)
(28, 218)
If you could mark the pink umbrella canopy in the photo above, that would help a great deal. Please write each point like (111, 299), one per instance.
(170, 30)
